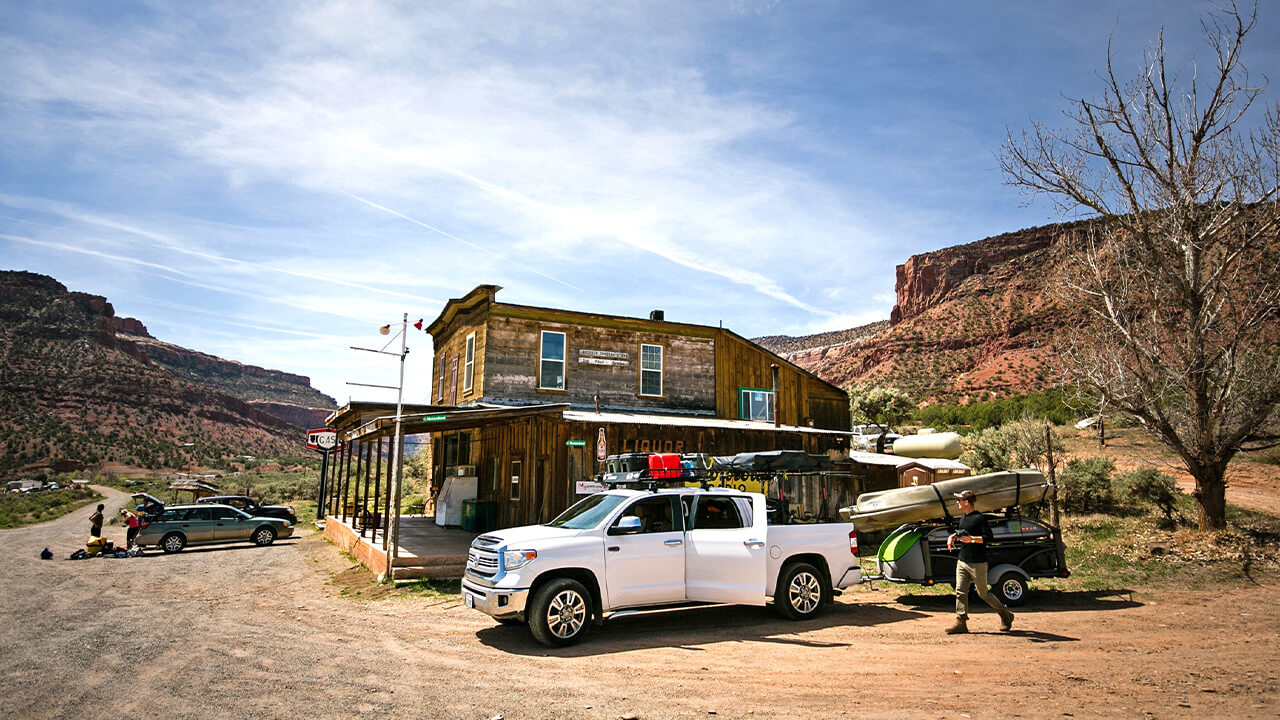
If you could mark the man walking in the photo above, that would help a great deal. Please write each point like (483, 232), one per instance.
(974, 536)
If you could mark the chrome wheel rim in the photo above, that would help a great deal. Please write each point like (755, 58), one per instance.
(1012, 589)
(173, 543)
(566, 614)
(805, 593)
(262, 537)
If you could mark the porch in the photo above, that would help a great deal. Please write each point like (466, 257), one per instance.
(425, 550)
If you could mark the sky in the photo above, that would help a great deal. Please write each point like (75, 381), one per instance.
(271, 182)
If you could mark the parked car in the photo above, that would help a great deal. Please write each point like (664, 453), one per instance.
(253, 507)
(637, 549)
(177, 526)
(1021, 549)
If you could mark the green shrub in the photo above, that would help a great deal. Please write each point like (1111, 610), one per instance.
(1085, 485)
(1149, 486)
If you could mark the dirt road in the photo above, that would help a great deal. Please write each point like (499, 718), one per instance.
(246, 632)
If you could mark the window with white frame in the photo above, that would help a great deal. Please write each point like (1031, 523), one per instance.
(755, 404)
(651, 369)
(469, 366)
(440, 388)
(551, 363)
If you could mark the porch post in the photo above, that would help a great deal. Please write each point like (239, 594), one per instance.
(377, 485)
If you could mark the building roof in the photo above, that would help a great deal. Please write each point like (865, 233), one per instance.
(443, 418)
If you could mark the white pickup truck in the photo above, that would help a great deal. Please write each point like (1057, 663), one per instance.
(635, 549)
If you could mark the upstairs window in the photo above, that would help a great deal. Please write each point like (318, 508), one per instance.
(440, 384)
(754, 404)
(469, 365)
(551, 361)
(651, 370)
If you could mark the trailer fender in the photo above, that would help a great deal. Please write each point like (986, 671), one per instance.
(994, 573)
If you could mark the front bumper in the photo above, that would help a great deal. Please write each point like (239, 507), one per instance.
(495, 602)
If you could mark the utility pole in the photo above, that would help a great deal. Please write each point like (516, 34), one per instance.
(397, 450)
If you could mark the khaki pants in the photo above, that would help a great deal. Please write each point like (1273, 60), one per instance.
(973, 574)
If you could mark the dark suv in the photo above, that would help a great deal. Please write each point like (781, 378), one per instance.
(251, 506)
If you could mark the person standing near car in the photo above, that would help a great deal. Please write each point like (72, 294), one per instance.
(974, 535)
(95, 521)
(132, 525)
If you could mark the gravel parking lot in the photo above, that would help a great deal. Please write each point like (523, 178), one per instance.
(239, 631)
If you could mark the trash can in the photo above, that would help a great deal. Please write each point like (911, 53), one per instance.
(486, 516)
(469, 515)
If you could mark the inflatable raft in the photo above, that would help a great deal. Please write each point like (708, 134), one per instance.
(994, 491)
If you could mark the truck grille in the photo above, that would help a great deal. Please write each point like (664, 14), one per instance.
(482, 563)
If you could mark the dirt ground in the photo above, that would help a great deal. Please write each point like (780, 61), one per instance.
(245, 632)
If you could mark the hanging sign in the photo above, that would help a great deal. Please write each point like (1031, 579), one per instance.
(602, 450)
(322, 439)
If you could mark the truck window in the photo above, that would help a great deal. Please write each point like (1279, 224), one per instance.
(717, 513)
(657, 514)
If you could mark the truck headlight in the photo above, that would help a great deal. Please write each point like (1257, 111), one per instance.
(516, 559)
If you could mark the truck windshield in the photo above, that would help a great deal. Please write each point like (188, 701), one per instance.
(588, 512)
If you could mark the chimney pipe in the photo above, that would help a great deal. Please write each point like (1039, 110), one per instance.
(777, 419)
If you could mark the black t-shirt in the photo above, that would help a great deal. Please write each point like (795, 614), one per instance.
(975, 524)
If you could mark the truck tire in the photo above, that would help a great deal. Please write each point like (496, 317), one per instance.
(800, 594)
(1011, 588)
(561, 613)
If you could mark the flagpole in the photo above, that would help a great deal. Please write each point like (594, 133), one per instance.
(397, 451)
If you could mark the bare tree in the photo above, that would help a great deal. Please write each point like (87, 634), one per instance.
(1178, 278)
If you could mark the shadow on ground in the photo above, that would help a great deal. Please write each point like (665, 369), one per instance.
(1037, 601)
(689, 628)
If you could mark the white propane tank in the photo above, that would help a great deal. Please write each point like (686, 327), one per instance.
(945, 445)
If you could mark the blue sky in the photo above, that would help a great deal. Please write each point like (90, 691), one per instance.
(270, 182)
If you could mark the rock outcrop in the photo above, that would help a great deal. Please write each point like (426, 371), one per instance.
(79, 387)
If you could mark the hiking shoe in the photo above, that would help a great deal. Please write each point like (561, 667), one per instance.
(1006, 621)
(960, 627)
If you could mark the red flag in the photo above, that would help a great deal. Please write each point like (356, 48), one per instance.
(418, 324)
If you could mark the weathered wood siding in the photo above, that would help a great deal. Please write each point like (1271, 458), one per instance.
(451, 345)
(512, 363)
(801, 398)
(549, 469)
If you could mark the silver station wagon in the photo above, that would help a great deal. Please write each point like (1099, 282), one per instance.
(177, 526)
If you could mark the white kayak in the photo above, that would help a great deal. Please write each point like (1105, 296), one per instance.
(994, 491)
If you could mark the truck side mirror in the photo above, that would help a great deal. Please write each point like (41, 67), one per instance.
(628, 525)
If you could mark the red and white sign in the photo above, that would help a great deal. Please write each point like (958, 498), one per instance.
(322, 439)
(602, 450)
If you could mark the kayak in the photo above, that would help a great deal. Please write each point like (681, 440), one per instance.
(993, 491)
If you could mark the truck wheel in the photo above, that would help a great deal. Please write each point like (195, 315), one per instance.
(561, 613)
(800, 595)
(1011, 589)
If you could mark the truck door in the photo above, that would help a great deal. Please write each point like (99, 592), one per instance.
(725, 550)
(646, 567)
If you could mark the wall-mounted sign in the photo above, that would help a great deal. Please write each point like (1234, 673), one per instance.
(610, 354)
(602, 449)
(602, 361)
(575, 443)
(433, 418)
(588, 487)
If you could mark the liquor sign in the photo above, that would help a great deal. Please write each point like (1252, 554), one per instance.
(575, 443)
(602, 450)
(322, 439)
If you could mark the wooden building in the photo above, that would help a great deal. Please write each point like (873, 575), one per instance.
(492, 353)
(528, 398)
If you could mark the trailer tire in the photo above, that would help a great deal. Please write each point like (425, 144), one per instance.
(800, 594)
(1011, 588)
(561, 612)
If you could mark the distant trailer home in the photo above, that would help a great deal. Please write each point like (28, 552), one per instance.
(523, 398)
